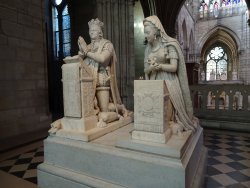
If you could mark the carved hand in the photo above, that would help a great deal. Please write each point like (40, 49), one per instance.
(157, 66)
(81, 54)
(153, 66)
(82, 46)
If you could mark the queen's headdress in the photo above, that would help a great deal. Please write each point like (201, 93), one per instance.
(95, 22)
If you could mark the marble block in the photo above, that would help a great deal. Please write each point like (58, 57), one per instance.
(80, 119)
(78, 96)
(78, 90)
(93, 132)
(71, 90)
(151, 100)
(102, 163)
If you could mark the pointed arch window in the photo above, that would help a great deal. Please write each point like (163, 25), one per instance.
(216, 64)
(61, 29)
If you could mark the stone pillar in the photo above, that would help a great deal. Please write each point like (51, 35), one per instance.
(117, 16)
(151, 111)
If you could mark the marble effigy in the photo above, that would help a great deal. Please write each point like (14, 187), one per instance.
(92, 103)
(163, 148)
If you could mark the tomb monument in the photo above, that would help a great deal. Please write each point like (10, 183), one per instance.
(97, 145)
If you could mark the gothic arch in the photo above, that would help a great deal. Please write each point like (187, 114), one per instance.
(215, 30)
(225, 38)
(184, 35)
(191, 42)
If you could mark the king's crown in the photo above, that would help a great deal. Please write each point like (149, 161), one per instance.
(95, 22)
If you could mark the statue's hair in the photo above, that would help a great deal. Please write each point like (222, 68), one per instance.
(150, 24)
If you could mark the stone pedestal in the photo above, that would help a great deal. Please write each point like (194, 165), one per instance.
(80, 121)
(78, 95)
(106, 163)
(151, 111)
(135, 156)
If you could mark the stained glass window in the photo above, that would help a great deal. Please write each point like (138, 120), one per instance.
(66, 31)
(61, 29)
(215, 8)
(216, 64)
(56, 31)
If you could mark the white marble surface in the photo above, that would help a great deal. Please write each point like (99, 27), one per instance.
(151, 111)
(72, 163)
(150, 98)
(71, 90)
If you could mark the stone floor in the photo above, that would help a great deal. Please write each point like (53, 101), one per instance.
(228, 162)
(228, 159)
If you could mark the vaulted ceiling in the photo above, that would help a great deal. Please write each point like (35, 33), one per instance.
(167, 11)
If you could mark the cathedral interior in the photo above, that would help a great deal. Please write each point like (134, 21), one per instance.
(36, 35)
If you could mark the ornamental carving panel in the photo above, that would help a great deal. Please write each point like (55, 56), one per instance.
(150, 102)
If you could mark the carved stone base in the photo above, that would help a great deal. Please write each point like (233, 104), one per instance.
(93, 133)
(175, 147)
(101, 164)
(151, 136)
(78, 124)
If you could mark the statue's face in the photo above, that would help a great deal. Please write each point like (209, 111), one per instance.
(149, 33)
(94, 32)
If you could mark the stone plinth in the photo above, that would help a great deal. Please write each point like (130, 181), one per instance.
(80, 121)
(78, 95)
(103, 163)
(116, 160)
(151, 105)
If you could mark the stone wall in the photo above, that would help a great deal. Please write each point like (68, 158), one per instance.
(185, 27)
(24, 114)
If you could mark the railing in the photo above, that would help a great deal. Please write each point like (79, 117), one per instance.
(222, 102)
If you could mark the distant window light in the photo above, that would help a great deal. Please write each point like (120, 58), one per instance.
(61, 31)
(216, 63)
(58, 2)
(66, 31)
(55, 31)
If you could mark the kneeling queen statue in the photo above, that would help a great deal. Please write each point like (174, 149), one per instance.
(164, 61)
